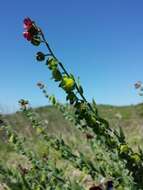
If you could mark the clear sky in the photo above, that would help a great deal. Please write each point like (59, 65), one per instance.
(99, 40)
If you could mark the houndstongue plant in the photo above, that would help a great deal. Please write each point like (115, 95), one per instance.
(112, 164)
(86, 114)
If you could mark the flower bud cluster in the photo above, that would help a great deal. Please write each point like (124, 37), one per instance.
(31, 32)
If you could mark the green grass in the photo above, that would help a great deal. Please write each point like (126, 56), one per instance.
(130, 118)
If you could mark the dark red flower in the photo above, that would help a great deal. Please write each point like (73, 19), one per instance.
(27, 35)
(31, 32)
(27, 23)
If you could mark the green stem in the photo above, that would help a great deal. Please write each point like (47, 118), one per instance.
(65, 71)
(100, 120)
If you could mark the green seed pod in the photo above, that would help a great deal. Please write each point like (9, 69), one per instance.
(36, 41)
(37, 187)
(43, 177)
(71, 97)
(124, 148)
(83, 106)
(120, 187)
(39, 130)
(40, 56)
(113, 142)
(68, 83)
(52, 63)
(90, 119)
(136, 157)
(12, 139)
(56, 75)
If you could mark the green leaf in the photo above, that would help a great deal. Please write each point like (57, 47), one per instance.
(121, 135)
(53, 99)
(52, 63)
(36, 41)
(56, 74)
(80, 89)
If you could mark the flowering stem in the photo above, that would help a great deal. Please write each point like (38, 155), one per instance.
(99, 119)
(61, 65)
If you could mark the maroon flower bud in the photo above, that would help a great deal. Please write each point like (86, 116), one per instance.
(31, 31)
(27, 23)
(27, 35)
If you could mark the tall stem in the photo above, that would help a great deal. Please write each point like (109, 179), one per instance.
(100, 120)
(65, 71)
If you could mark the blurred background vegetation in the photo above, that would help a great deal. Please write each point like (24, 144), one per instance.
(130, 118)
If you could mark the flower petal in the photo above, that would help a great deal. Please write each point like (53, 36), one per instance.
(27, 35)
(27, 23)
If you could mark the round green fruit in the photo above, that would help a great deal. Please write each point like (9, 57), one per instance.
(68, 83)
(52, 63)
(124, 148)
(136, 158)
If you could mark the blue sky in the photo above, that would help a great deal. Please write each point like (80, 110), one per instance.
(99, 40)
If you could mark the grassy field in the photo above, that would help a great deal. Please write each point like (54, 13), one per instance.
(130, 118)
